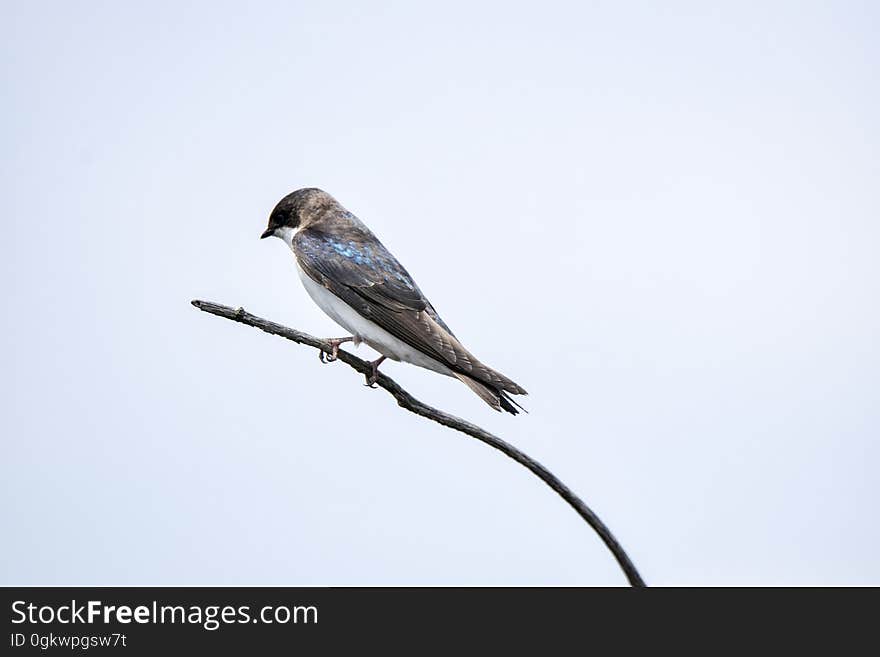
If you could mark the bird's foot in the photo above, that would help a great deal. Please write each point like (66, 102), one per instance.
(374, 374)
(334, 349)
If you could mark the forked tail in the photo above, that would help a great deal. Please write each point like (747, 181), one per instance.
(496, 397)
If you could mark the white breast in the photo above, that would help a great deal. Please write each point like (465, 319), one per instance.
(370, 332)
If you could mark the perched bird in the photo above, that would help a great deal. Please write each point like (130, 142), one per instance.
(361, 286)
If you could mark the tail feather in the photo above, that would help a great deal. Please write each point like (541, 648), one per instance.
(497, 398)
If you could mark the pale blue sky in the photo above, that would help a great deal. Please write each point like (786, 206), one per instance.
(662, 221)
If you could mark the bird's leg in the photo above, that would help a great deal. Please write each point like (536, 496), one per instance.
(334, 348)
(374, 376)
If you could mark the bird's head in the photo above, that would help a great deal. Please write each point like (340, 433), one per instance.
(298, 210)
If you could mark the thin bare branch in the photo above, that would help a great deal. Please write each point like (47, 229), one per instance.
(410, 403)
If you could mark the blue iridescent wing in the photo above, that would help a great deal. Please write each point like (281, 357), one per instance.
(361, 272)
(361, 265)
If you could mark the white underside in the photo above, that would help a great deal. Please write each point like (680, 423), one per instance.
(365, 330)
(360, 327)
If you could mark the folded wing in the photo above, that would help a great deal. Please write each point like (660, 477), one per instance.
(361, 272)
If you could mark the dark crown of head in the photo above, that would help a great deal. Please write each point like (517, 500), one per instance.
(299, 205)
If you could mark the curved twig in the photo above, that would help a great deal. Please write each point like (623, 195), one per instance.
(410, 403)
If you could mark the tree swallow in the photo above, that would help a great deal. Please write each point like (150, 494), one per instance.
(361, 286)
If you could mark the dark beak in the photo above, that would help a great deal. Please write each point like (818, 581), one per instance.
(267, 233)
